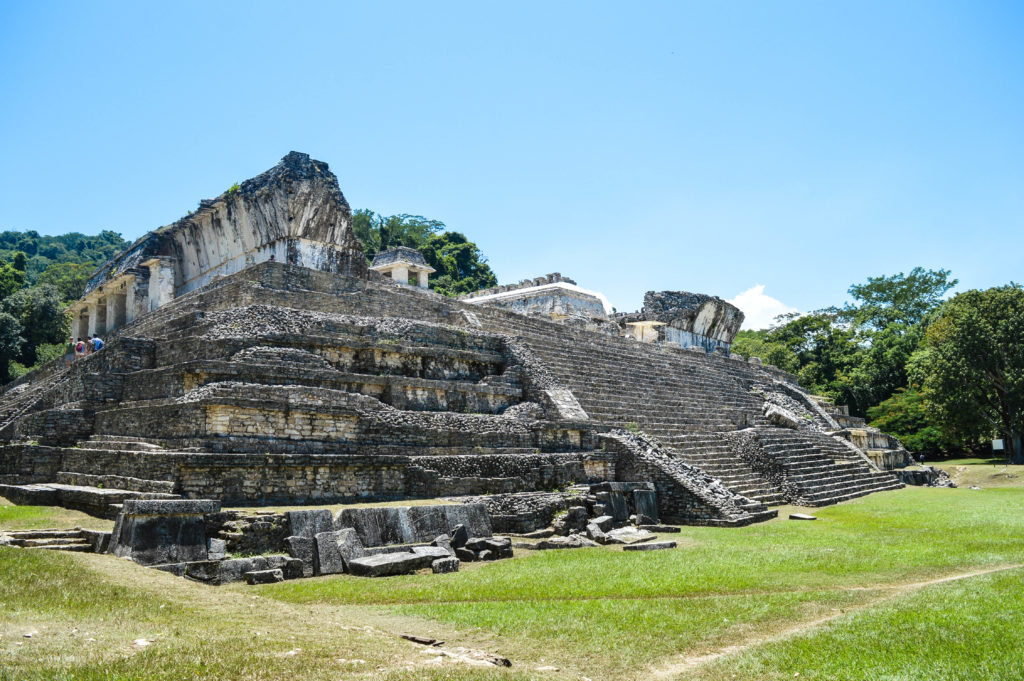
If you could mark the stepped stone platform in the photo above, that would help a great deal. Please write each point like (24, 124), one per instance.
(290, 374)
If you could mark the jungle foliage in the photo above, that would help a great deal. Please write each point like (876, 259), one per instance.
(941, 375)
(39, 275)
(459, 264)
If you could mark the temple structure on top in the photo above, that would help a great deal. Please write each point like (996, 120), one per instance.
(404, 265)
(294, 213)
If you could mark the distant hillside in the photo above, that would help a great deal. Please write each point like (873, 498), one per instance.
(43, 251)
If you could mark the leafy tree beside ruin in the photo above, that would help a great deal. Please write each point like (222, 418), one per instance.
(461, 267)
(972, 364)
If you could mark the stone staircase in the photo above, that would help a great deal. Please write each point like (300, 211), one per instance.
(76, 540)
(819, 473)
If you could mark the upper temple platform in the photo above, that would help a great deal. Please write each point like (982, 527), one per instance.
(293, 213)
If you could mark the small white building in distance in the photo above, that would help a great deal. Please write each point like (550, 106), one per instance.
(404, 265)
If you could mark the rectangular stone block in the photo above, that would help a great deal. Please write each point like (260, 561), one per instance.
(387, 564)
(334, 550)
(309, 523)
(170, 506)
(645, 502)
(445, 565)
(304, 549)
(264, 577)
(650, 546)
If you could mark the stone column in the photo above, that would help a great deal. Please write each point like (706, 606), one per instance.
(116, 303)
(92, 307)
(400, 274)
(421, 278)
(161, 281)
(98, 321)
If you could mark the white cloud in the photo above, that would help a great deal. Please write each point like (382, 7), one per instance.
(759, 310)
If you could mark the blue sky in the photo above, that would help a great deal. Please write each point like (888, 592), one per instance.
(713, 147)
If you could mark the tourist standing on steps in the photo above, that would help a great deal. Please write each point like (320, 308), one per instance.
(96, 343)
(79, 349)
(69, 352)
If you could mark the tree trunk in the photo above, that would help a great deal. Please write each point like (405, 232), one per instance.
(1015, 448)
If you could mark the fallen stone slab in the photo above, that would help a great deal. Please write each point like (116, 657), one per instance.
(596, 533)
(650, 546)
(663, 529)
(573, 541)
(292, 568)
(224, 571)
(605, 522)
(264, 577)
(388, 564)
(432, 552)
(335, 549)
(629, 535)
(541, 534)
(465, 555)
(802, 516)
(445, 565)
(444, 542)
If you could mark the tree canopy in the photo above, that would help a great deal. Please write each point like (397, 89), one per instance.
(971, 364)
(459, 264)
(39, 275)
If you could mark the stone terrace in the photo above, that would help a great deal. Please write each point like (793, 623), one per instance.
(284, 384)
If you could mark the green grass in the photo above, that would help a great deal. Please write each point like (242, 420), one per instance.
(958, 631)
(600, 613)
(40, 517)
(983, 472)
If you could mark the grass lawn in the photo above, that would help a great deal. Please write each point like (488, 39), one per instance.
(852, 595)
(983, 472)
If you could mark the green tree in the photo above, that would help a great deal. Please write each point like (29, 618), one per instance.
(10, 344)
(19, 261)
(908, 415)
(973, 364)
(69, 278)
(11, 280)
(459, 264)
(40, 312)
(379, 232)
(461, 267)
(760, 344)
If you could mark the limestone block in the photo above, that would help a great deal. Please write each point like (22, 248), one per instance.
(595, 532)
(336, 549)
(290, 567)
(304, 549)
(152, 532)
(224, 571)
(445, 565)
(216, 549)
(652, 546)
(778, 416)
(629, 535)
(645, 502)
(573, 541)
(386, 564)
(442, 541)
(309, 523)
(264, 577)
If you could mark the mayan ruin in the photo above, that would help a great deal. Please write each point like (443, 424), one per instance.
(252, 358)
